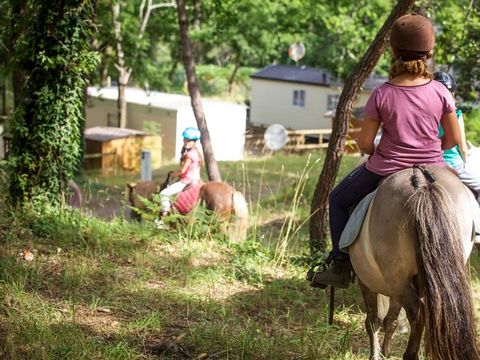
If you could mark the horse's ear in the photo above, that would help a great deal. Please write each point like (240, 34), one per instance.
(131, 186)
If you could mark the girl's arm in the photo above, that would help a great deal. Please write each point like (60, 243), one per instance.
(183, 168)
(366, 139)
(451, 128)
(463, 147)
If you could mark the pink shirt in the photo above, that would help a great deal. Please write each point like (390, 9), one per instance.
(409, 116)
(192, 175)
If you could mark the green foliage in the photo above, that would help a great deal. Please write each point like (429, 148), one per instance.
(457, 43)
(472, 126)
(342, 31)
(45, 128)
(251, 34)
(247, 261)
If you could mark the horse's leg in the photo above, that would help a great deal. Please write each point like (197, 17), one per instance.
(389, 325)
(372, 322)
(411, 304)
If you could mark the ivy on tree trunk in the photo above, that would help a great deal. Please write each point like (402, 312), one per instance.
(45, 127)
(336, 146)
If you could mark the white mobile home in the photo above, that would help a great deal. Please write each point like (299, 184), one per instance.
(297, 97)
(168, 115)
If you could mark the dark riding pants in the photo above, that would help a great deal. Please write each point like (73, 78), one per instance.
(353, 188)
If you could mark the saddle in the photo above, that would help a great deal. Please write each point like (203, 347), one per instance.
(188, 198)
(357, 216)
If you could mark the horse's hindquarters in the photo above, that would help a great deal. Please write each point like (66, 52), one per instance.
(379, 243)
(230, 207)
(386, 246)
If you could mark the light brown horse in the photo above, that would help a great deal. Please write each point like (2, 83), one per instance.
(413, 246)
(228, 204)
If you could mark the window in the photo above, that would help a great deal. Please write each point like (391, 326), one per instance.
(299, 98)
(332, 101)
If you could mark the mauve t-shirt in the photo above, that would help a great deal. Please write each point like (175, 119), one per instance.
(410, 116)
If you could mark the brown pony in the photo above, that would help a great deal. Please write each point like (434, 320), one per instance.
(413, 245)
(228, 203)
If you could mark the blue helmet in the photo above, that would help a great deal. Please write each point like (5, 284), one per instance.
(191, 133)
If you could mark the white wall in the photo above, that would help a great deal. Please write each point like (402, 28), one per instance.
(272, 102)
(226, 125)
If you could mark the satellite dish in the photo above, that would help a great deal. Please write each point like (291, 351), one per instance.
(296, 51)
(275, 137)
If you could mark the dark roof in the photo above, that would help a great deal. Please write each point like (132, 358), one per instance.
(297, 74)
(104, 133)
(309, 75)
(374, 81)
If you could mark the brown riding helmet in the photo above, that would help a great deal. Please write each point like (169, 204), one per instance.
(413, 37)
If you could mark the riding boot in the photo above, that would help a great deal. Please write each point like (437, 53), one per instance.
(339, 274)
(159, 222)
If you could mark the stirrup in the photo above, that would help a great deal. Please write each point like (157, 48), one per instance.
(318, 268)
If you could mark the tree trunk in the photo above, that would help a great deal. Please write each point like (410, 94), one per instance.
(104, 64)
(18, 77)
(123, 73)
(45, 151)
(122, 101)
(4, 92)
(104, 74)
(231, 80)
(194, 91)
(173, 68)
(336, 146)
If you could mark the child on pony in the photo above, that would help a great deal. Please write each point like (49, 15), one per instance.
(410, 108)
(189, 171)
(457, 156)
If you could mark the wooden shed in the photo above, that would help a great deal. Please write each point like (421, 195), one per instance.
(111, 149)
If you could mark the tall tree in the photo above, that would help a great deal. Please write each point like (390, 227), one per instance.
(124, 70)
(16, 31)
(194, 91)
(336, 146)
(45, 127)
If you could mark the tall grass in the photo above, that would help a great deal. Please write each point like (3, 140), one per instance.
(112, 289)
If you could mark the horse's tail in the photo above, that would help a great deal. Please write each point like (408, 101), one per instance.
(450, 329)
(240, 216)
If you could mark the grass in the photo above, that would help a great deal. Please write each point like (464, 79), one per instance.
(105, 288)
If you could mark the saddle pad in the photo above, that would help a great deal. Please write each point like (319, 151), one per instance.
(355, 222)
(187, 199)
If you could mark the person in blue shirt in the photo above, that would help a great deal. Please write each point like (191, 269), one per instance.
(457, 157)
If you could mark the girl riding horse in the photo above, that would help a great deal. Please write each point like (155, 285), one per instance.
(409, 108)
(457, 156)
(189, 171)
